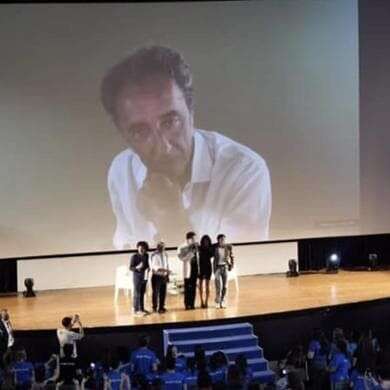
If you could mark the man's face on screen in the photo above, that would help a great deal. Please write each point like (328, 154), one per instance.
(157, 124)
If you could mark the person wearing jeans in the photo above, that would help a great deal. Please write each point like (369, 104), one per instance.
(223, 263)
(139, 265)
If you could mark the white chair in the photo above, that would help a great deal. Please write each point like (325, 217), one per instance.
(232, 276)
(123, 280)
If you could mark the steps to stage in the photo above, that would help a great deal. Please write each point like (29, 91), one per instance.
(232, 339)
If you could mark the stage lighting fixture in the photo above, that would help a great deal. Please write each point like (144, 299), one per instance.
(292, 269)
(372, 261)
(29, 284)
(333, 263)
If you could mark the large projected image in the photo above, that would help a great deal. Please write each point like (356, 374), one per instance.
(175, 178)
(128, 122)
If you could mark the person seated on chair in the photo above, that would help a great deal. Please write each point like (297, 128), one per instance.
(223, 263)
(144, 361)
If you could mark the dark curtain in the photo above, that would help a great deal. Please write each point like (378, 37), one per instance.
(353, 251)
(8, 276)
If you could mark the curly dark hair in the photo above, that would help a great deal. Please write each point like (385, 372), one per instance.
(143, 64)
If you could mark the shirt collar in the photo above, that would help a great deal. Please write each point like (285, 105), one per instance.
(201, 162)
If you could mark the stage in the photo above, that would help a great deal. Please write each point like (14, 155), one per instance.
(257, 295)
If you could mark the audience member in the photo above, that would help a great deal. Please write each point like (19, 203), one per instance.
(339, 366)
(143, 362)
(67, 335)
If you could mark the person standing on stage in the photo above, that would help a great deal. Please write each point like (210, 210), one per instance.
(223, 263)
(139, 264)
(206, 252)
(188, 253)
(160, 275)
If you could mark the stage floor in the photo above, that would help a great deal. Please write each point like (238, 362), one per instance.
(263, 294)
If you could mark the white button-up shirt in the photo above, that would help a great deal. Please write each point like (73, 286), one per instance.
(66, 336)
(229, 192)
(159, 260)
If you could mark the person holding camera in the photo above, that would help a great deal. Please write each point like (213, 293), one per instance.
(68, 335)
(222, 264)
(188, 253)
(6, 336)
(160, 276)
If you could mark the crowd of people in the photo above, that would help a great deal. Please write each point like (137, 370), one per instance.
(199, 260)
(339, 362)
(118, 369)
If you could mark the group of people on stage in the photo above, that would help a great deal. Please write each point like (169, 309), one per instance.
(200, 260)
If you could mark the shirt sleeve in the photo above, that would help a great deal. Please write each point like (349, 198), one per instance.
(184, 253)
(248, 211)
(132, 263)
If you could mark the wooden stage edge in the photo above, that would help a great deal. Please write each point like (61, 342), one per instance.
(257, 295)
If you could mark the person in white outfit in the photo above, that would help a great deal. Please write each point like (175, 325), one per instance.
(188, 253)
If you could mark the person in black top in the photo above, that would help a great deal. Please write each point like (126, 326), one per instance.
(188, 253)
(139, 264)
(68, 369)
(206, 252)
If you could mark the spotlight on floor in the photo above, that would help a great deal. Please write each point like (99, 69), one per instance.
(29, 284)
(333, 263)
(372, 261)
(292, 269)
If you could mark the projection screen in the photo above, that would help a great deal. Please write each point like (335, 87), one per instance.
(127, 122)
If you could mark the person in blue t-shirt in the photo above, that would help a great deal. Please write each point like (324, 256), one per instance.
(339, 367)
(191, 374)
(114, 379)
(218, 367)
(124, 360)
(23, 371)
(143, 361)
(171, 379)
(317, 355)
(362, 379)
(180, 359)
